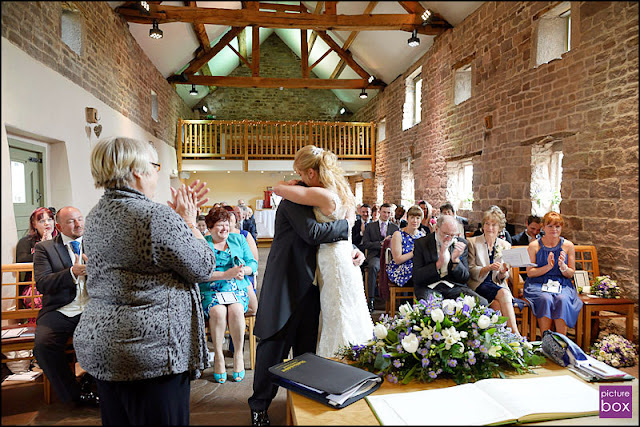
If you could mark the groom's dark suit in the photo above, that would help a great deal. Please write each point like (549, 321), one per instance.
(425, 273)
(289, 307)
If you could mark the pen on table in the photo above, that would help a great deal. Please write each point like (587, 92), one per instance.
(598, 369)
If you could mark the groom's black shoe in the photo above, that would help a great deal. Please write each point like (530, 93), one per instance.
(259, 418)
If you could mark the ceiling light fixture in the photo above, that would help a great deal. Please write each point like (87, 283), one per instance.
(414, 40)
(363, 94)
(155, 32)
(343, 110)
(426, 15)
(371, 79)
(204, 108)
(193, 91)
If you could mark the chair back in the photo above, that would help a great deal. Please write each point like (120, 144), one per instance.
(15, 304)
(587, 260)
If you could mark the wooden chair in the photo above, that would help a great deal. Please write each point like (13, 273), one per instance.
(395, 291)
(595, 309)
(17, 308)
(250, 323)
(524, 316)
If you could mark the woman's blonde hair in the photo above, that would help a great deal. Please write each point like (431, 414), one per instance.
(495, 214)
(113, 161)
(415, 210)
(330, 174)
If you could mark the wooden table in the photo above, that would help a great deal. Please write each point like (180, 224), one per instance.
(304, 411)
(593, 306)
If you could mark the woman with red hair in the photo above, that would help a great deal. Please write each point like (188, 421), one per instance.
(548, 288)
(41, 227)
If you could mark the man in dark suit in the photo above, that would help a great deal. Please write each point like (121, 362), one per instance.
(358, 227)
(374, 235)
(289, 307)
(534, 224)
(442, 256)
(60, 275)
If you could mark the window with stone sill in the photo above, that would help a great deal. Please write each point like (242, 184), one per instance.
(407, 185)
(460, 184)
(382, 130)
(546, 178)
(554, 34)
(462, 90)
(412, 108)
(71, 28)
(358, 195)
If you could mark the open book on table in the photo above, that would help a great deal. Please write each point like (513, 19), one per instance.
(489, 402)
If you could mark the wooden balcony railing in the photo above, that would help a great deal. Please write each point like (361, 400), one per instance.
(256, 140)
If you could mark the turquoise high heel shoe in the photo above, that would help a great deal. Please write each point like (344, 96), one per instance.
(238, 376)
(222, 378)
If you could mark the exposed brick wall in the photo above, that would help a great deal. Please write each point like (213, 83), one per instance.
(112, 67)
(276, 60)
(588, 100)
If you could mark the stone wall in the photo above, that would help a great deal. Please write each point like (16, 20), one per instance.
(276, 60)
(588, 100)
(112, 66)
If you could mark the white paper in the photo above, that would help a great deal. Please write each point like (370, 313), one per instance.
(339, 399)
(517, 257)
(226, 297)
(24, 376)
(13, 333)
(444, 282)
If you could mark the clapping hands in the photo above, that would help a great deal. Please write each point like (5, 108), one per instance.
(187, 199)
(458, 249)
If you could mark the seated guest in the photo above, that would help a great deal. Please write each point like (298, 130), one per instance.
(398, 217)
(234, 262)
(357, 231)
(448, 209)
(202, 225)
(503, 233)
(555, 259)
(236, 212)
(249, 222)
(375, 212)
(400, 268)
(530, 233)
(442, 256)
(60, 275)
(488, 274)
(425, 225)
(375, 234)
(358, 207)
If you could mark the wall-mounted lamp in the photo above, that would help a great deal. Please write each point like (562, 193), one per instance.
(363, 94)
(144, 7)
(193, 91)
(91, 114)
(426, 15)
(413, 40)
(343, 110)
(155, 32)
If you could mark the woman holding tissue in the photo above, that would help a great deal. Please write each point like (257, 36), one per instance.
(548, 287)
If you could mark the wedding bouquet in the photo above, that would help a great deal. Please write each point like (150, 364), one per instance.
(615, 350)
(604, 287)
(438, 338)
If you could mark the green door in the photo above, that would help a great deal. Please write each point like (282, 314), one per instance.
(26, 181)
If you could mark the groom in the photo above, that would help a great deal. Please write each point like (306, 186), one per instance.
(289, 307)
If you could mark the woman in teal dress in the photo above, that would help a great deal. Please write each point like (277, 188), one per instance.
(234, 262)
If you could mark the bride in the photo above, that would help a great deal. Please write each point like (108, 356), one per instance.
(345, 318)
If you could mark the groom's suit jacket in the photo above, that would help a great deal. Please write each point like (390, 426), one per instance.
(51, 266)
(291, 264)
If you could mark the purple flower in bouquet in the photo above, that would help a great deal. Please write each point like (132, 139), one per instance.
(397, 363)
(425, 362)
(452, 363)
(433, 375)
(437, 336)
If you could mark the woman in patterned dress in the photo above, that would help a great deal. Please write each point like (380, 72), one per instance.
(234, 263)
(400, 268)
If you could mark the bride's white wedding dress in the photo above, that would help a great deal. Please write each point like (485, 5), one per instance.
(344, 317)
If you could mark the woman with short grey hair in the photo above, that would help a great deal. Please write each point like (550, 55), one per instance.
(142, 333)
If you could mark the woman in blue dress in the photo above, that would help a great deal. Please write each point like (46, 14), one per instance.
(400, 267)
(555, 260)
(234, 262)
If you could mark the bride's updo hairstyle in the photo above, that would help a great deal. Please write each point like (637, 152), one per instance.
(330, 174)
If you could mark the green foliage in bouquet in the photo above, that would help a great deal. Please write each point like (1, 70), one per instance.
(605, 287)
(448, 338)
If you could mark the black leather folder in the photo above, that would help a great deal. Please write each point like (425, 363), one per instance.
(330, 382)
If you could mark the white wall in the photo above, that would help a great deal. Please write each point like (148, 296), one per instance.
(48, 107)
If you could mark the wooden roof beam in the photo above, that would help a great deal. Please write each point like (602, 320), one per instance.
(205, 44)
(314, 35)
(199, 62)
(346, 56)
(415, 8)
(247, 17)
(341, 64)
(273, 82)
(255, 51)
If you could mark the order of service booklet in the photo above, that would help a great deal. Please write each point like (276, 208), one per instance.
(489, 402)
(328, 381)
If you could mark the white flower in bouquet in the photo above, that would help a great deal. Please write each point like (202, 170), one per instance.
(498, 249)
(494, 318)
(405, 309)
(437, 315)
(484, 321)
(380, 331)
(427, 332)
(469, 301)
(493, 351)
(450, 306)
(410, 343)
